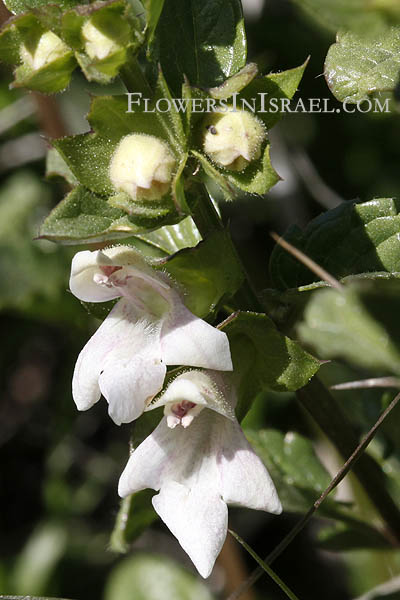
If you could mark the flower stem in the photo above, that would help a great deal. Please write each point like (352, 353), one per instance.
(265, 567)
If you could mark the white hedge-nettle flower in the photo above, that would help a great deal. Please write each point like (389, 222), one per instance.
(148, 329)
(97, 44)
(199, 460)
(233, 139)
(48, 49)
(142, 166)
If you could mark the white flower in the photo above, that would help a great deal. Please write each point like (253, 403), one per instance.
(142, 166)
(233, 139)
(49, 48)
(148, 329)
(200, 461)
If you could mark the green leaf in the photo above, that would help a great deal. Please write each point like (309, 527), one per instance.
(351, 14)
(279, 86)
(264, 358)
(358, 324)
(172, 238)
(343, 537)
(297, 472)
(347, 240)
(203, 40)
(150, 577)
(208, 273)
(57, 167)
(359, 65)
(86, 217)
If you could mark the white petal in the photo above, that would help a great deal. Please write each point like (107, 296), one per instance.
(244, 479)
(85, 265)
(188, 340)
(123, 360)
(204, 388)
(198, 519)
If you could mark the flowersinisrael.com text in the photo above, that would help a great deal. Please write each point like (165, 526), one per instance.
(261, 103)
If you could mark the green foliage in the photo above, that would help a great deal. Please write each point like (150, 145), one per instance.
(360, 15)
(387, 591)
(357, 324)
(298, 474)
(344, 537)
(86, 217)
(208, 273)
(143, 576)
(255, 343)
(352, 239)
(360, 65)
(205, 41)
(135, 515)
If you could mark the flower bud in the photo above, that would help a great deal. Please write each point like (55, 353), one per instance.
(97, 45)
(233, 139)
(48, 49)
(142, 166)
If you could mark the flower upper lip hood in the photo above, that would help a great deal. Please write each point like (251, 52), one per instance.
(199, 467)
(148, 329)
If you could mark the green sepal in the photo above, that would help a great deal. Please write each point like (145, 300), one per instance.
(352, 239)
(234, 84)
(257, 178)
(116, 21)
(263, 358)
(49, 79)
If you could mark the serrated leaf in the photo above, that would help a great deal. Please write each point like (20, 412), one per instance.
(275, 86)
(359, 65)
(149, 577)
(203, 40)
(56, 166)
(358, 324)
(351, 239)
(208, 273)
(86, 217)
(263, 358)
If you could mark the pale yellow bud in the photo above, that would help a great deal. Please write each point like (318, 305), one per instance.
(49, 48)
(233, 139)
(142, 166)
(97, 45)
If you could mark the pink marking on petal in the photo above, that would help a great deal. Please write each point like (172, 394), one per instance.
(109, 269)
(182, 408)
